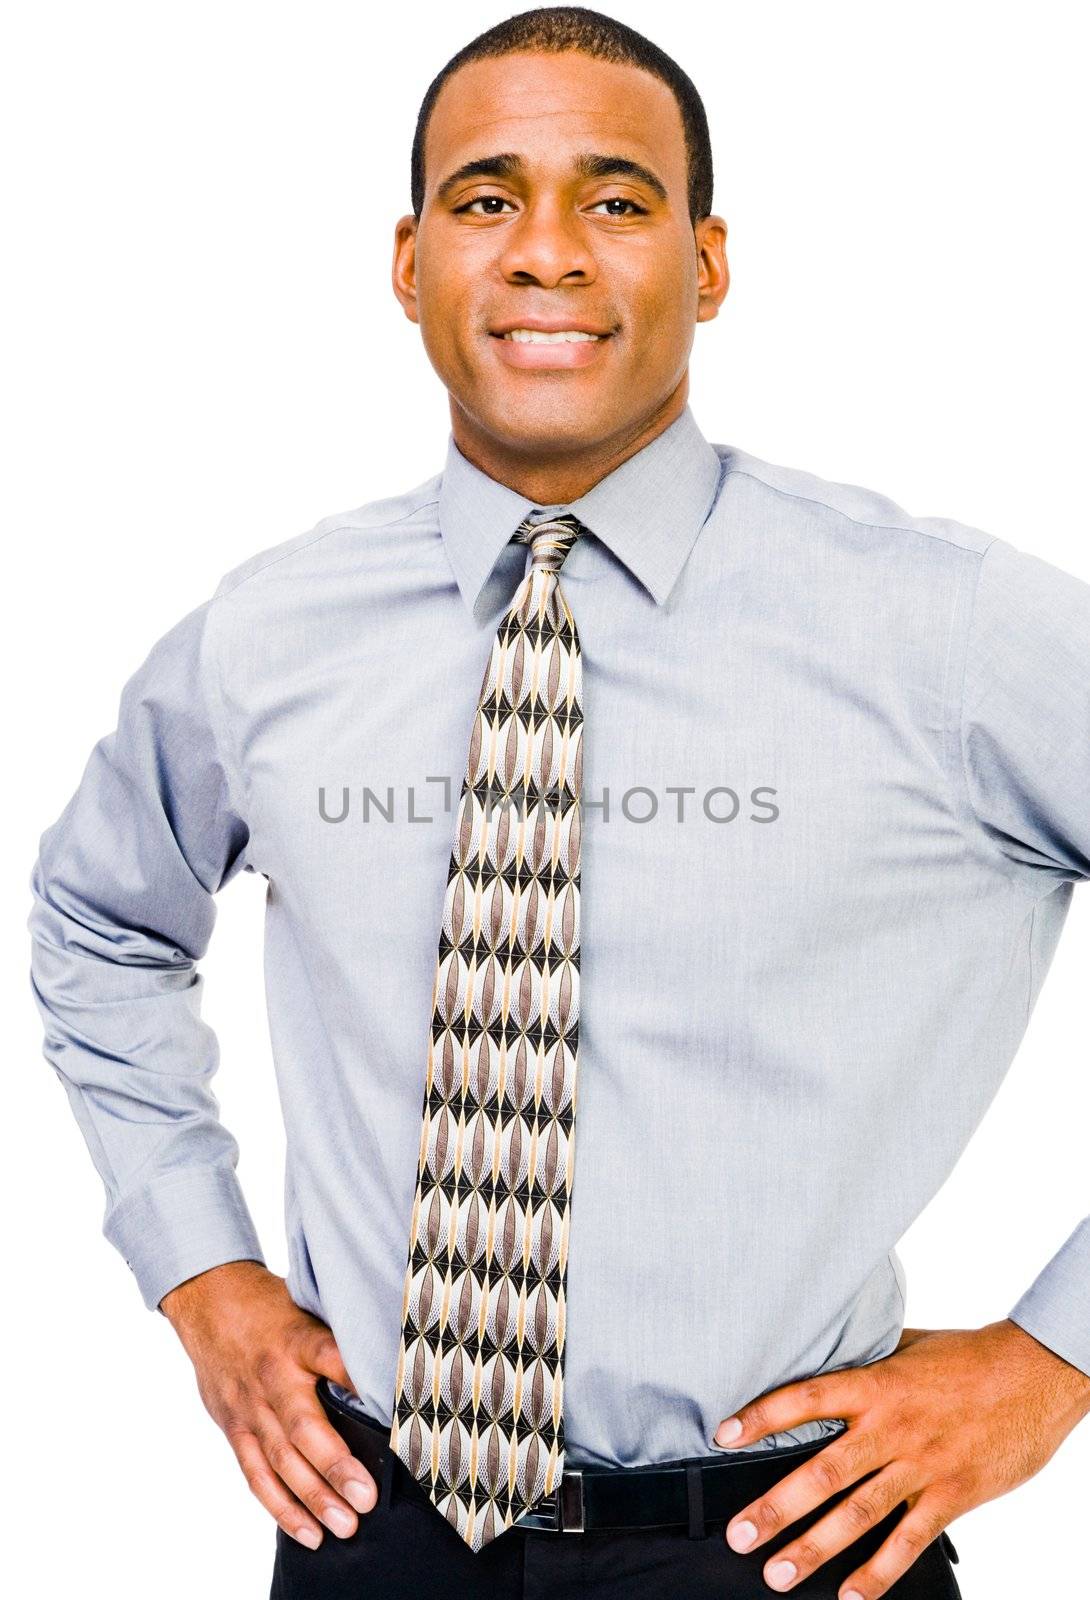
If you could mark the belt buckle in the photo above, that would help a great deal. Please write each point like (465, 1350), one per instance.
(559, 1512)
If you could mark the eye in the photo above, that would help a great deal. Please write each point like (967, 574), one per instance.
(621, 200)
(482, 199)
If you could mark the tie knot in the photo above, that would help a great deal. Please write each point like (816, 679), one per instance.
(549, 540)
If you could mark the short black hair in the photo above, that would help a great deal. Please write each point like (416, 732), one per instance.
(552, 30)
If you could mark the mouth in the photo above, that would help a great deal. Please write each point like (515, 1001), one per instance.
(550, 335)
(536, 348)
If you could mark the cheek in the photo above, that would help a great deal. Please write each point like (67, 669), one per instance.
(446, 329)
(675, 311)
(659, 351)
(659, 295)
(452, 310)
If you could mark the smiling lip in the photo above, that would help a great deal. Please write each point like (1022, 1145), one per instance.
(555, 354)
(550, 325)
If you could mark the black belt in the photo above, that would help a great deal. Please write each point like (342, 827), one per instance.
(670, 1494)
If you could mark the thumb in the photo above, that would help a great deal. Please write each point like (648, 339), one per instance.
(911, 1336)
(321, 1354)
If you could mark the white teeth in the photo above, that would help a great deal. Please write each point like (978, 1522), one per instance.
(533, 336)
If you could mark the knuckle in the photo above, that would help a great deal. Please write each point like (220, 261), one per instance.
(318, 1501)
(342, 1468)
(291, 1525)
(768, 1516)
(912, 1539)
(955, 1489)
(324, 1344)
(853, 1453)
(281, 1454)
(756, 1416)
(827, 1472)
(887, 1386)
(267, 1367)
(297, 1423)
(935, 1526)
(302, 1334)
(860, 1512)
(876, 1375)
(267, 1488)
(237, 1431)
(262, 1485)
(807, 1555)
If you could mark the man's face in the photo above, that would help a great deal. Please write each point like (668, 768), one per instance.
(612, 252)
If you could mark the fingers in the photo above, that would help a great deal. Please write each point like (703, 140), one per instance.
(831, 1394)
(909, 1539)
(300, 1468)
(256, 1354)
(832, 1470)
(852, 1516)
(283, 1507)
(313, 1437)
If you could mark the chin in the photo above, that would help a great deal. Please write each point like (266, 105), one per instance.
(542, 420)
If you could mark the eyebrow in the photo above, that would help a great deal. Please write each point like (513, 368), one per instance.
(588, 164)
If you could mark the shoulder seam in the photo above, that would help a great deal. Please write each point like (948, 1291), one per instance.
(885, 527)
(234, 775)
(326, 533)
(1006, 867)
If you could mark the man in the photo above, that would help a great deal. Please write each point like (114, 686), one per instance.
(830, 821)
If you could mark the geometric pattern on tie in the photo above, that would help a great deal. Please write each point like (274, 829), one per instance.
(478, 1401)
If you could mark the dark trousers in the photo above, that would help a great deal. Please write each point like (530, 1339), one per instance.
(406, 1550)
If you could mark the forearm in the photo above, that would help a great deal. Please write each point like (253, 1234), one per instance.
(122, 912)
(1055, 1308)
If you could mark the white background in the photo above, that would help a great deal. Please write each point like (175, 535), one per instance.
(203, 356)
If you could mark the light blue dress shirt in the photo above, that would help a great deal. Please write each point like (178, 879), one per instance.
(836, 763)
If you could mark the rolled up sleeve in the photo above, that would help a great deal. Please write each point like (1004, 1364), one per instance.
(122, 911)
(1026, 749)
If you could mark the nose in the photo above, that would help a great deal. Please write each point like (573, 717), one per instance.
(547, 245)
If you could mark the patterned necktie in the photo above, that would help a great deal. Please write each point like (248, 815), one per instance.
(477, 1414)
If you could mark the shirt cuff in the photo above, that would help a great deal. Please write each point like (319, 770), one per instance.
(1056, 1307)
(182, 1223)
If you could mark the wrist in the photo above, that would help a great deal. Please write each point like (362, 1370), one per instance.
(194, 1294)
(1073, 1384)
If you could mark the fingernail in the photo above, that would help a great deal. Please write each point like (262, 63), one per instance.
(851, 1594)
(338, 1520)
(742, 1535)
(728, 1430)
(358, 1494)
(781, 1573)
(310, 1537)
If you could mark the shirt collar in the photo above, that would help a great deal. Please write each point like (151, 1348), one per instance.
(648, 511)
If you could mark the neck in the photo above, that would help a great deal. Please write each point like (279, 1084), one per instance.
(531, 469)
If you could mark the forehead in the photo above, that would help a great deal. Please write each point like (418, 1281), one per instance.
(547, 107)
